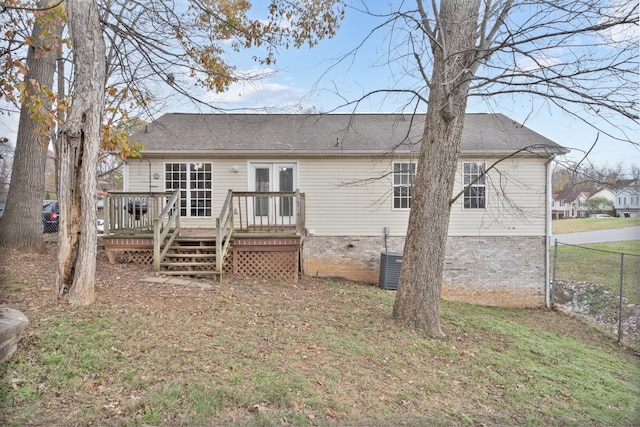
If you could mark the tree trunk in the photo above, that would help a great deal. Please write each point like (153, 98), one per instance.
(75, 279)
(21, 225)
(417, 301)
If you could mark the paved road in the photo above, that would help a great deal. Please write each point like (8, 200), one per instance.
(599, 236)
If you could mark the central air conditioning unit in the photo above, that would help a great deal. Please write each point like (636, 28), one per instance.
(390, 266)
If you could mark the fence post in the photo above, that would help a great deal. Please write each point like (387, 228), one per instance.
(620, 302)
(553, 280)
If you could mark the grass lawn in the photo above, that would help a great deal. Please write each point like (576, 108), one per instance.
(576, 225)
(321, 352)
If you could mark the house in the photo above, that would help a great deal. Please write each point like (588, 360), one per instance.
(596, 202)
(353, 176)
(561, 205)
(627, 200)
(575, 203)
(570, 203)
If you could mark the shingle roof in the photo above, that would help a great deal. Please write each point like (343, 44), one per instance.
(325, 134)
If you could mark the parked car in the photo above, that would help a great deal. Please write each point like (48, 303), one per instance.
(100, 226)
(600, 216)
(50, 216)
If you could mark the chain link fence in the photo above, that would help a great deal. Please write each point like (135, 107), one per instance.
(601, 286)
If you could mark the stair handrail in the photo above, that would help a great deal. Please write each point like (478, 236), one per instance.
(224, 230)
(171, 213)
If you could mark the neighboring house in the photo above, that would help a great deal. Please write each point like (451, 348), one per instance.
(560, 208)
(569, 203)
(572, 203)
(605, 194)
(582, 209)
(356, 174)
(627, 201)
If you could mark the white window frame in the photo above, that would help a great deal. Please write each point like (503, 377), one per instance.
(196, 198)
(474, 171)
(402, 179)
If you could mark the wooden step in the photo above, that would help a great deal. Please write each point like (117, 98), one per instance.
(194, 239)
(188, 264)
(190, 273)
(192, 248)
(194, 256)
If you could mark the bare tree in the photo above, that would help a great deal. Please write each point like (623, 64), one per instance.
(570, 53)
(21, 224)
(79, 154)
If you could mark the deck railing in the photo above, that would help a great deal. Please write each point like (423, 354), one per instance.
(166, 227)
(224, 229)
(268, 212)
(132, 213)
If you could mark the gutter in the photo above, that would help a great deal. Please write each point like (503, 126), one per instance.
(550, 152)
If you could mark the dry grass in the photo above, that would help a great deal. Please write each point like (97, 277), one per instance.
(321, 352)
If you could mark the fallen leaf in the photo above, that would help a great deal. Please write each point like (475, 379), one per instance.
(334, 414)
(15, 382)
(257, 408)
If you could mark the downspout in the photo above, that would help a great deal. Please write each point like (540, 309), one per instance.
(547, 244)
(125, 176)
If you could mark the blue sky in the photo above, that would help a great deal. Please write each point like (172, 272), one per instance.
(305, 78)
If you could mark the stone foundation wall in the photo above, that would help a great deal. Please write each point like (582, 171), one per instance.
(495, 271)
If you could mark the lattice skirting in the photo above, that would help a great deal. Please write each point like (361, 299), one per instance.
(266, 264)
(144, 257)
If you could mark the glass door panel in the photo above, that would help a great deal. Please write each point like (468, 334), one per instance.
(273, 177)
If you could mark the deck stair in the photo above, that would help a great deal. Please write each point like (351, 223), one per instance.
(190, 256)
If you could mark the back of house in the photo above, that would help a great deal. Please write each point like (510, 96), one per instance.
(356, 173)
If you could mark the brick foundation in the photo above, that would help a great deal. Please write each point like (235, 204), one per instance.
(495, 271)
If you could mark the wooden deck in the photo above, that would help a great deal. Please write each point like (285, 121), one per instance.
(265, 242)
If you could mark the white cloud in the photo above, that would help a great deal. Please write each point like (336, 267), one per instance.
(621, 33)
(257, 90)
(538, 62)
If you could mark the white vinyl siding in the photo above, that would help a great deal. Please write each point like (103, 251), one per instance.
(354, 196)
(516, 201)
(351, 197)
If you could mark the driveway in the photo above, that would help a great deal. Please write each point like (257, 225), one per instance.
(599, 236)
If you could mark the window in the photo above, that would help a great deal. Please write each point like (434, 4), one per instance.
(474, 180)
(403, 175)
(195, 182)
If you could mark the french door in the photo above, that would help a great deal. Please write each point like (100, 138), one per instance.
(269, 177)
